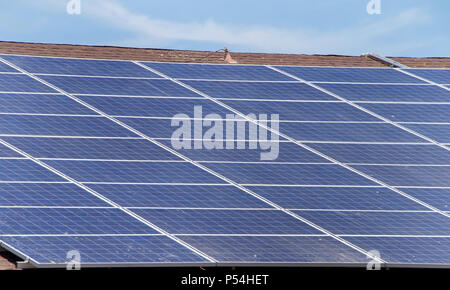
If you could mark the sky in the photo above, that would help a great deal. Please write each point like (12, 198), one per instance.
(394, 28)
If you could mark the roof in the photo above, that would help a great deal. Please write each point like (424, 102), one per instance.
(190, 56)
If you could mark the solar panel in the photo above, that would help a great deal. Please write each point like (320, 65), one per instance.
(87, 163)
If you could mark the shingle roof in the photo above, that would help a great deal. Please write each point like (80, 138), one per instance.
(169, 55)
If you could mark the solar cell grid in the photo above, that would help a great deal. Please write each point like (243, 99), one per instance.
(440, 76)
(380, 223)
(187, 196)
(259, 90)
(22, 83)
(69, 221)
(193, 221)
(46, 194)
(82, 148)
(105, 249)
(41, 104)
(163, 191)
(363, 75)
(117, 86)
(68, 66)
(344, 198)
(389, 93)
(217, 72)
(61, 126)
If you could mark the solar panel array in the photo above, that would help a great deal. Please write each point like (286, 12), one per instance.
(86, 164)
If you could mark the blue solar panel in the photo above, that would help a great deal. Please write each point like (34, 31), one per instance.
(408, 250)
(22, 83)
(389, 93)
(46, 194)
(300, 111)
(69, 221)
(362, 75)
(287, 152)
(437, 197)
(6, 152)
(117, 86)
(411, 113)
(409, 175)
(259, 90)
(306, 174)
(41, 104)
(380, 223)
(348, 132)
(218, 72)
(346, 198)
(61, 126)
(440, 76)
(139, 172)
(105, 249)
(438, 132)
(44, 214)
(38, 65)
(25, 170)
(154, 107)
(6, 68)
(199, 221)
(276, 249)
(385, 153)
(144, 195)
(82, 148)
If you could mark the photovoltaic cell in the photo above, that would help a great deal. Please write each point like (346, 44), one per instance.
(61, 126)
(218, 72)
(440, 76)
(46, 194)
(437, 132)
(118, 86)
(389, 93)
(380, 223)
(259, 90)
(412, 113)
(279, 152)
(67, 66)
(385, 153)
(41, 104)
(22, 83)
(363, 75)
(301, 111)
(143, 195)
(135, 172)
(6, 152)
(105, 249)
(409, 175)
(437, 197)
(178, 221)
(408, 250)
(154, 107)
(69, 221)
(82, 148)
(25, 170)
(305, 174)
(345, 198)
(6, 68)
(276, 249)
(348, 132)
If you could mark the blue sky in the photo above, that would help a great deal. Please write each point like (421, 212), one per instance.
(404, 27)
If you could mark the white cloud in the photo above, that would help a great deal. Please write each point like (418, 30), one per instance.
(147, 31)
